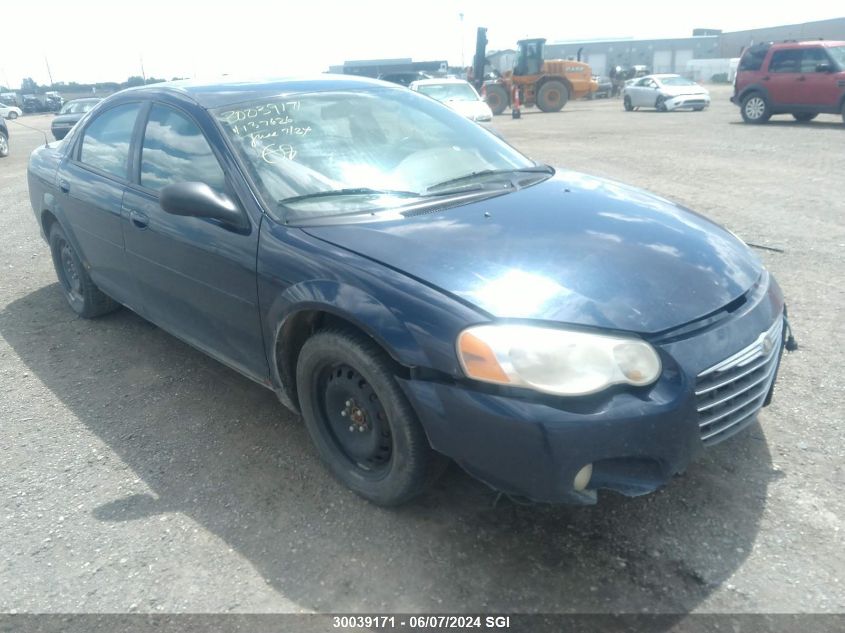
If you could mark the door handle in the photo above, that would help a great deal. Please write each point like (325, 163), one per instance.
(139, 219)
(64, 185)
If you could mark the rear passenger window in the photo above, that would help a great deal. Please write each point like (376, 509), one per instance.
(786, 61)
(105, 143)
(175, 150)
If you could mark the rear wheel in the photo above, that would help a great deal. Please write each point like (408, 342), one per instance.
(4, 145)
(843, 111)
(81, 293)
(803, 117)
(628, 105)
(497, 98)
(360, 421)
(660, 104)
(755, 108)
(552, 96)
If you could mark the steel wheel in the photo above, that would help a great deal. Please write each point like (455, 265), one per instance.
(69, 276)
(355, 420)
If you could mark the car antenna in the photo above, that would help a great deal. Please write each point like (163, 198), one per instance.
(46, 140)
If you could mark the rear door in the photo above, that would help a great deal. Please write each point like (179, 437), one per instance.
(196, 276)
(783, 79)
(91, 186)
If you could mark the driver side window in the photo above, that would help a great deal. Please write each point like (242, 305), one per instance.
(175, 150)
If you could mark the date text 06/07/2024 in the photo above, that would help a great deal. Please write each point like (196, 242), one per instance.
(390, 622)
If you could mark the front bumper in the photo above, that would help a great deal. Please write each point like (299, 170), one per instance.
(534, 446)
(688, 101)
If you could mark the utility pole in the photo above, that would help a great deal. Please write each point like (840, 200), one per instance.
(49, 74)
(461, 17)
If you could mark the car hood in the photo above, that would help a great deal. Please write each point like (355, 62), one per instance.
(572, 249)
(677, 91)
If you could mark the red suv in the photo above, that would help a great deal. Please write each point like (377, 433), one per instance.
(803, 79)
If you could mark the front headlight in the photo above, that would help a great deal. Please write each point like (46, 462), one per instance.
(559, 362)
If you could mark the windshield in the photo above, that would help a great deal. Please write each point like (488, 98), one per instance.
(838, 54)
(77, 107)
(449, 91)
(376, 148)
(676, 81)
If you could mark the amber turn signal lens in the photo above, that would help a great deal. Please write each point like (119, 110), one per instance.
(478, 359)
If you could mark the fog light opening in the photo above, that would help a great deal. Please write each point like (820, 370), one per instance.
(583, 478)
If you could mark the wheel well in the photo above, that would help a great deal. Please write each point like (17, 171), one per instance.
(752, 90)
(298, 328)
(47, 220)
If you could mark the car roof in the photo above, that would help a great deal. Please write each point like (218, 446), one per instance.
(805, 43)
(95, 99)
(229, 91)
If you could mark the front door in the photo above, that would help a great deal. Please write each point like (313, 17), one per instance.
(819, 88)
(196, 276)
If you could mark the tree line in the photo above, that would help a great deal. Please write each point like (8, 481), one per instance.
(29, 86)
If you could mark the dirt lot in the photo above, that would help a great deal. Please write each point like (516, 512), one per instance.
(139, 475)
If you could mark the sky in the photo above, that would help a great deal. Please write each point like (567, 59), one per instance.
(91, 41)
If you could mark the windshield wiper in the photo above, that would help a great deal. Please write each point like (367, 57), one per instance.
(354, 191)
(539, 169)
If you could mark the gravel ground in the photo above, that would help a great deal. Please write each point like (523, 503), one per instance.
(139, 475)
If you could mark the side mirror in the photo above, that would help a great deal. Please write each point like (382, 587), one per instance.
(197, 199)
(824, 68)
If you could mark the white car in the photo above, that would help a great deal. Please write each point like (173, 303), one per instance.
(10, 112)
(457, 94)
(665, 93)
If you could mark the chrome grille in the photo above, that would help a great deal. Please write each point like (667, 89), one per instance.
(729, 394)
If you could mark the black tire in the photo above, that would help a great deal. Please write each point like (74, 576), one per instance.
(552, 96)
(497, 98)
(363, 427)
(629, 107)
(4, 145)
(81, 293)
(698, 109)
(804, 117)
(843, 111)
(660, 104)
(13, 115)
(755, 108)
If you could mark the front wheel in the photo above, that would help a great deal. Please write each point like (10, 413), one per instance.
(79, 290)
(755, 109)
(360, 421)
(13, 115)
(803, 117)
(552, 96)
(497, 98)
(660, 104)
(629, 107)
(4, 145)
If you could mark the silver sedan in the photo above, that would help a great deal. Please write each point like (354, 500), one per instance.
(665, 93)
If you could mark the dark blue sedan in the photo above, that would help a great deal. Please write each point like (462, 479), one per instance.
(414, 286)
